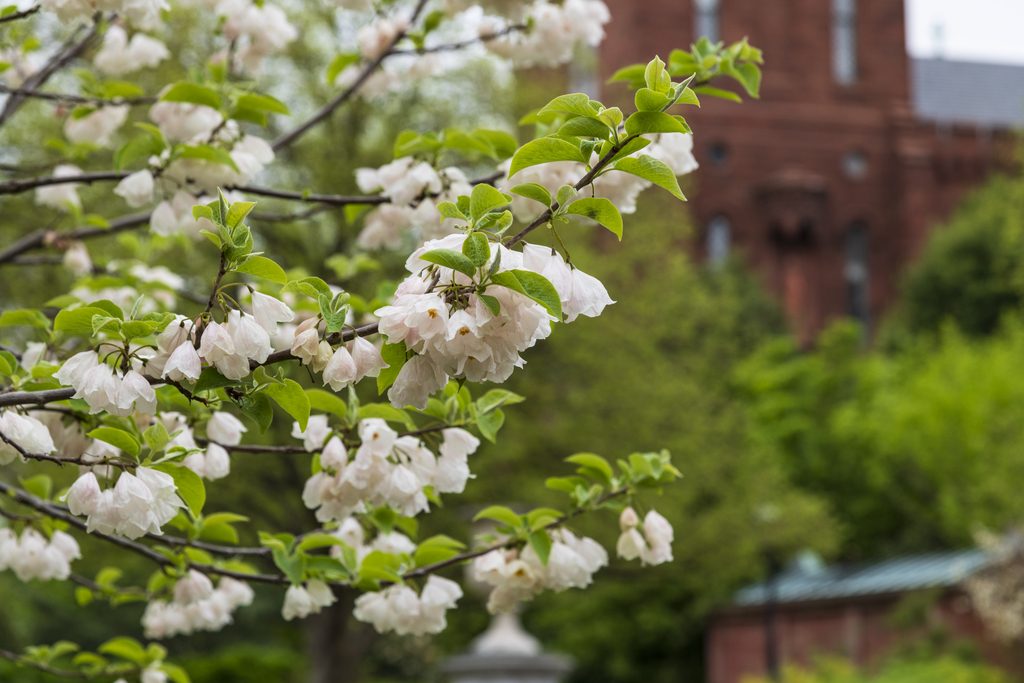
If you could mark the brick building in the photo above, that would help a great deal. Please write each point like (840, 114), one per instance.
(829, 184)
(852, 611)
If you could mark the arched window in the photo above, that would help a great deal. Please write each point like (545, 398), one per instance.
(717, 239)
(705, 24)
(856, 273)
(844, 41)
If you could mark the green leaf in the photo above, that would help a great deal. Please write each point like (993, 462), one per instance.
(191, 92)
(237, 213)
(326, 401)
(257, 408)
(436, 549)
(585, 127)
(40, 486)
(449, 258)
(534, 191)
(77, 321)
(221, 533)
(339, 63)
(649, 100)
(291, 565)
(175, 673)
(117, 438)
(545, 150)
(263, 103)
(207, 153)
(540, 541)
(260, 266)
(484, 198)
(125, 648)
(384, 412)
(133, 329)
(292, 398)
(564, 194)
(495, 398)
(500, 514)
(718, 92)
(651, 169)
(156, 437)
(576, 103)
(141, 147)
(224, 518)
(653, 122)
(600, 210)
(210, 378)
(657, 77)
(477, 249)
(489, 424)
(190, 486)
(312, 287)
(395, 356)
(593, 462)
(29, 318)
(492, 303)
(503, 144)
(450, 210)
(533, 285)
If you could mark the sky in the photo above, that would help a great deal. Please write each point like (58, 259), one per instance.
(971, 30)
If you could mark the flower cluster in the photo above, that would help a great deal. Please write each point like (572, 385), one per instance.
(398, 608)
(197, 606)
(213, 462)
(61, 196)
(519, 575)
(406, 182)
(258, 29)
(27, 432)
(138, 504)
(33, 557)
(387, 469)
(341, 367)
(144, 14)
(464, 338)
(105, 389)
(556, 30)
(301, 601)
(119, 56)
(654, 546)
(95, 127)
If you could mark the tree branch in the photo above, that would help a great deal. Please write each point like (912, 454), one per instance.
(62, 461)
(20, 15)
(68, 51)
(332, 199)
(77, 99)
(342, 97)
(53, 671)
(16, 186)
(45, 238)
(451, 47)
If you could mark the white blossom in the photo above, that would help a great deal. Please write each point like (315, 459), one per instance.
(97, 126)
(76, 259)
(136, 189)
(270, 311)
(315, 433)
(225, 428)
(27, 432)
(61, 195)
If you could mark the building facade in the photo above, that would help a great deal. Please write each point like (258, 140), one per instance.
(829, 184)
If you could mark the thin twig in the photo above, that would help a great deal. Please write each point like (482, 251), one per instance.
(77, 99)
(325, 111)
(53, 671)
(16, 186)
(20, 15)
(451, 47)
(332, 199)
(583, 182)
(68, 52)
(62, 461)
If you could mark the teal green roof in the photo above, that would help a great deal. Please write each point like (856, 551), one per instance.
(805, 581)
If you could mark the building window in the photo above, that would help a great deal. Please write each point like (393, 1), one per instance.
(583, 72)
(705, 23)
(717, 239)
(718, 153)
(855, 165)
(857, 272)
(844, 40)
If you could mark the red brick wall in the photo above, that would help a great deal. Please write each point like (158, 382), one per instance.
(796, 136)
(859, 629)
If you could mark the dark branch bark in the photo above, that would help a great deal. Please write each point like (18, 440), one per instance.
(44, 238)
(77, 99)
(20, 15)
(16, 186)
